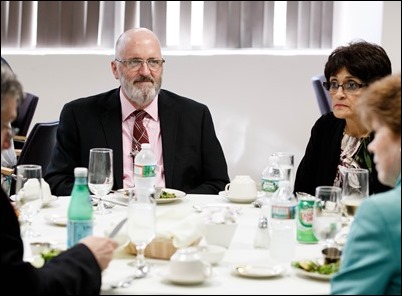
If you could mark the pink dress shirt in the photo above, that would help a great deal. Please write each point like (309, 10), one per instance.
(152, 125)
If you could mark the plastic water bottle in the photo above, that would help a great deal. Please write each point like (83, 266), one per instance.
(283, 224)
(145, 170)
(271, 176)
(80, 211)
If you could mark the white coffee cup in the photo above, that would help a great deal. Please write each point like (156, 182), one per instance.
(186, 266)
(241, 187)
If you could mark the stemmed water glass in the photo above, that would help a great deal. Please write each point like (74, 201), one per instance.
(141, 224)
(29, 195)
(100, 175)
(327, 214)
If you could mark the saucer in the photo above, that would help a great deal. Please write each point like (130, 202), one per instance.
(45, 204)
(241, 199)
(258, 271)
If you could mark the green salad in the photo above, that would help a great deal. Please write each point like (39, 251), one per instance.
(314, 266)
(165, 194)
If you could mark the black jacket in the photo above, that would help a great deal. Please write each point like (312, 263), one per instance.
(319, 164)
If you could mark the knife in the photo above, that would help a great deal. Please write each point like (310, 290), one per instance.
(117, 228)
(115, 202)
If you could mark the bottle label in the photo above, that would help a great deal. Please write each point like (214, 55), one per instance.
(268, 185)
(145, 170)
(283, 212)
(77, 230)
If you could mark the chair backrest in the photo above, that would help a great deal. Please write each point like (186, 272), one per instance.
(25, 113)
(39, 145)
(322, 95)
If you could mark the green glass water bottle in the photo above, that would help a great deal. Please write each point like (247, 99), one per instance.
(80, 211)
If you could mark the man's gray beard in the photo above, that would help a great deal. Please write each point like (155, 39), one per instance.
(142, 97)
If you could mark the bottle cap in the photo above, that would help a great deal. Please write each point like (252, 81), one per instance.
(80, 172)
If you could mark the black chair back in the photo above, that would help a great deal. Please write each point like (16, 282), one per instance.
(25, 113)
(322, 95)
(38, 147)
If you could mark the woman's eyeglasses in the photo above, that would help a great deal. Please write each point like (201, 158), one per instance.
(350, 87)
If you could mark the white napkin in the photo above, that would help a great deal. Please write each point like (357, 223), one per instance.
(31, 188)
(181, 225)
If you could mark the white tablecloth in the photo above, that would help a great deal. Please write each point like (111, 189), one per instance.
(223, 281)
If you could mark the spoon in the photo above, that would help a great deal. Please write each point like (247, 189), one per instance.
(198, 209)
(140, 272)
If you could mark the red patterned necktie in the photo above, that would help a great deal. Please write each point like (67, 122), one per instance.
(140, 134)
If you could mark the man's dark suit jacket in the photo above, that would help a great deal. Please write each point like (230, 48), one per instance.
(73, 272)
(192, 155)
(319, 164)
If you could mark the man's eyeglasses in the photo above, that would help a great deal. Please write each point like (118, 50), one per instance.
(11, 131)
(136, 64)
(350, 87)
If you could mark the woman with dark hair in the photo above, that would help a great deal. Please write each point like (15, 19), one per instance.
(338, 139)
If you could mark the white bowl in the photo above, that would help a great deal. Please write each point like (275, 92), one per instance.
(211, 253)
(220, 234)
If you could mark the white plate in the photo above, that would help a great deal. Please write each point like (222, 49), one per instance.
(314, 275)
(123, 196)
(258, 271)
(179, 196)
(52, 199)
(243, 199)
(55, 219)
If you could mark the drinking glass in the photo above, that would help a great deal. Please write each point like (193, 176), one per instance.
(29, 195)
(100, 175)
(141, 224)
(355, 187)
(327, 214)
(286, 163)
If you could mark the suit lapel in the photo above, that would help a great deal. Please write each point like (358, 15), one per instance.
(111, 124)
(169, 120)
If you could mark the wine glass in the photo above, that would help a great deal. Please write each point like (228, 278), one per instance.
(327, 214)
(355, 187)
(141, 224)
(100, 175)
(29, 195)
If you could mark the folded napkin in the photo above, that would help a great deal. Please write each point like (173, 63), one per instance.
(182, 226)
(31, 189)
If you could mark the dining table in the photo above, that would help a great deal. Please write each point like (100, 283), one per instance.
(224, 280)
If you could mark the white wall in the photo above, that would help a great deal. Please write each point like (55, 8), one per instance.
(260, 103)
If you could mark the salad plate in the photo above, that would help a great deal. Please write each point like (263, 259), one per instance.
(313, 273)
(167, 195)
